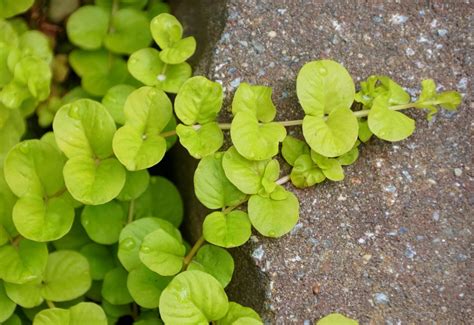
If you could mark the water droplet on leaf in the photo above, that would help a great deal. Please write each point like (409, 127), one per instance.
(127, 243)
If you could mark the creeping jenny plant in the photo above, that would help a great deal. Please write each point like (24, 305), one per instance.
(88, 236)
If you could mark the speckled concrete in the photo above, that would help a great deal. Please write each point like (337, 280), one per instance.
(391, 244)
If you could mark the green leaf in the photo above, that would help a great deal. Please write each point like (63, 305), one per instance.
(200, 142)
(179, 52)
(12, 8)
(114, 288)
(136, 184)
(162, 200)
(334, 171)
(332, 137)
(27, 294)
(227, 230)
(166, 30)
(193, 297)
(387, 124)
(13, 320)
(146, 66)
(128, 31)
(364, 132)
(256, 100)
(7, 307)
(138, 144)
(244, 174)
(376, 86)
(88, 26)
(84, 128)
(336, 319)
(145, 286)
(199, 100)
(305, 173)
(240, 315)
(100, 81)
(162, 252)
(254, 140)
(132, 236)
(100, 260)
(349, 157)
(211, 185)
(292, 148)
(270, 175)
(36, 75)
(429, 99)
(83, 313)
(43, 220)
(324, 86)
(89, 62)
(23, 263)
(273, 218)
(67, 276)
(114, 101)
(216, 261)
(92, 181)
(75, 238)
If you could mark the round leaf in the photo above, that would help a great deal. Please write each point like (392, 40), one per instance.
(114, 101)
(145, 286)
(332, 137)
(256, 100)
(87, 27)
(162, 252)
(201, 142)
(41, 220)
(11, 8)
(245, 174)
(114, 288)
(100, 260)
(179, 51)
(100, 81)
(128, 31)
(132, 235)
(166, 30)
(103, 223)
(216, 261)
(292, 149)
(211, 185)
(92, 181)
(199, 100)
(193, 297)
(336, 319)
(323, 86)
(84, 128)
(227, 230)
(67, 276)
(387, 124)
(253, 140)
(27, 294)
(136, 184)
(162, 200)
(273, 218)
(138, 144)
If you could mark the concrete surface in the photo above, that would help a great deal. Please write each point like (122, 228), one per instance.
(391, 244)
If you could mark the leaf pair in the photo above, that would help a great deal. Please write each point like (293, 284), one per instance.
(66, 276)
(253, 134)
(84, 131)
(82, 313)
(272, 210)
(326, 92)
(195, 297)
(44, 210)
(165, 69)
(123, 32)
(138, 143)
(429, 99)
(197, 104)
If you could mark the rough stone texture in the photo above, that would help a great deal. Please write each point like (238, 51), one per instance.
(391, 244)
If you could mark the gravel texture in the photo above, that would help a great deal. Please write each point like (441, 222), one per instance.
(391, 244)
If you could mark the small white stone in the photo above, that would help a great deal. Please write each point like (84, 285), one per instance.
(457, 172)
(409, 51)
(272, 34)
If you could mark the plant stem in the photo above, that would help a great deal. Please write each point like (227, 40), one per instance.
(290, 123)
(283, 180)
(365, 112)
(193, 251)
(168, 134)
(16, 241)
(224, 126)
(131, 211)
(50, 304)
(230, 208)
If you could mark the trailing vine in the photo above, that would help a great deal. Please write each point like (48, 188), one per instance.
(88, 236)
